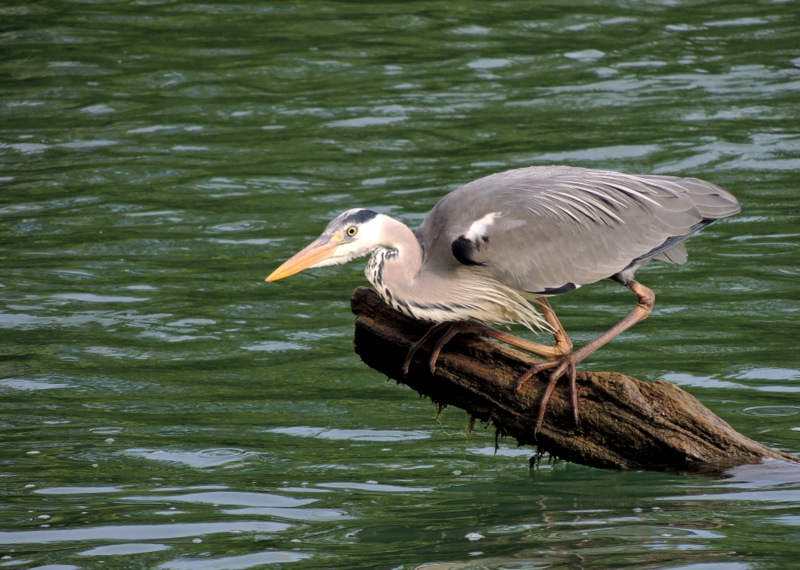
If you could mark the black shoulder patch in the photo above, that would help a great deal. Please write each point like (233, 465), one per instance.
(463, 249)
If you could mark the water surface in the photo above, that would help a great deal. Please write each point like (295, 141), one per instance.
(162, 406)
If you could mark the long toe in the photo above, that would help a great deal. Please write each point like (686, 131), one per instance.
(432, 362)
(417, 345)
(535, 369)
(545, 399)
(573, 393)
(412, 350)
(562, 367)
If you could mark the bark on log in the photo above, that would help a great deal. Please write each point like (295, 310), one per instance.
(624, 423)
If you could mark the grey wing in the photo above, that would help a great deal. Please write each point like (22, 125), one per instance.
(548, 230)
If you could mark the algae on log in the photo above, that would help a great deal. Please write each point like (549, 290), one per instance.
(624, 423)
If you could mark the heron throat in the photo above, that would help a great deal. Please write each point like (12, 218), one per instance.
(392, 278)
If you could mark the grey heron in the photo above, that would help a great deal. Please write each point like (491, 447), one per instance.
(496, 249)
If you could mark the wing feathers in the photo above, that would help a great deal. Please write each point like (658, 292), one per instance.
(550, 229)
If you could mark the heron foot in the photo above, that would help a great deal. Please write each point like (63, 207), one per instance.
(453, 329)
(412, 350)
(564, 366)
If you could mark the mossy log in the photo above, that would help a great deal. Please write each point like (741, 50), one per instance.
(624, 423)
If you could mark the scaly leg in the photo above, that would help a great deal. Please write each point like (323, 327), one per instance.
(562, 359)
(554, 353)
(566, 364)
(563, 344)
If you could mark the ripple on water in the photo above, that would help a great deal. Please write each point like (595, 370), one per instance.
(486, 63)
(750, 380)
(585, 56)
(691, 380)
(771, 374)
(124, 549)
(215, 457)
(76, 490)
(375, 487)
(95, 298)
(123, 532)
(232, 562)
(26, 384)
(598, 154)
(239, 226)
(231, 498)
(352, 434)
(360, 122)
(275, 346)
(251, 504)
(772, 411)
(250, 241)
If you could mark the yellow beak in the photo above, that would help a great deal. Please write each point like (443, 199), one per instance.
(318, 250)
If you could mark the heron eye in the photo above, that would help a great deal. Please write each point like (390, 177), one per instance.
(352, 230)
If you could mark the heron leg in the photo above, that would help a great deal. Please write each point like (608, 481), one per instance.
(641, 311)
(453, 328)
(566, 364)
(563, 344)
(562, 347)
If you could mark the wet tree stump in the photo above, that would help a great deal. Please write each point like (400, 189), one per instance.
(624, 423)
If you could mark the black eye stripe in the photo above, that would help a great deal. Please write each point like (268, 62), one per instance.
(360, 216)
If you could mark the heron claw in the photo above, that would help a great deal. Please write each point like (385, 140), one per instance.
(535, 369)
(562, 367)
(432, 361)
(412, 350)
(452, 330)
(406, 364)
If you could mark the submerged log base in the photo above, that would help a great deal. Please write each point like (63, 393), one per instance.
(624, 423)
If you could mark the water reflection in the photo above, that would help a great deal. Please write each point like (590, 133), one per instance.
(123, 533)
(768, 482)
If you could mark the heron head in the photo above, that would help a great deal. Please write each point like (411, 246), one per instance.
(353, 234)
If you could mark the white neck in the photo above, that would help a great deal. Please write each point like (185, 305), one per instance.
(395, 264)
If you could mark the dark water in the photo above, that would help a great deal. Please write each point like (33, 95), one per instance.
(162, 406)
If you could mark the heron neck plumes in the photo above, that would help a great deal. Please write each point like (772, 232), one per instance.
(395, 264)
(399, 273)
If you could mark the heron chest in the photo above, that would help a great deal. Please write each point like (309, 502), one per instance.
(392, 293)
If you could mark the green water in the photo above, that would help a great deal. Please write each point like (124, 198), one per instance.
(161, 406)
